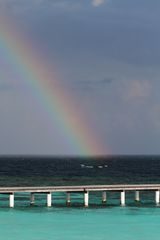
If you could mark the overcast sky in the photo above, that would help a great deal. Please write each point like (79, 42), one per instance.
(107, 54)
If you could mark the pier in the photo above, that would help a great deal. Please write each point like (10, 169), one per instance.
(84, 189)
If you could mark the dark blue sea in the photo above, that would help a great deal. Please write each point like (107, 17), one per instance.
(135, 221)
(46, 171)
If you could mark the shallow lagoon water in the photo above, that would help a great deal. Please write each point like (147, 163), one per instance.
(135, 221)
(114, 223)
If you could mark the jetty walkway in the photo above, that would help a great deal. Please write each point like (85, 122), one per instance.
(84, 189)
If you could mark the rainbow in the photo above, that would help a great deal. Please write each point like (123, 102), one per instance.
(32, 68)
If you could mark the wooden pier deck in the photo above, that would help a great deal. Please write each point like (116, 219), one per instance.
(85, 189)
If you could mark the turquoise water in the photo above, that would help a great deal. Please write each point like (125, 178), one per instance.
(135, 221)
(117, 223)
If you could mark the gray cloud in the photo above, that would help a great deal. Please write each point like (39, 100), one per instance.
(109, 56)
(6, 87)
(92, 85)
(97, 3)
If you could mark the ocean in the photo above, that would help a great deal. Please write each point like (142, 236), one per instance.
(135, 221)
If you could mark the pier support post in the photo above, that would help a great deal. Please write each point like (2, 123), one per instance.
(49, 199)
(11, 200)
(32, 199)
(104, 197)
(157, 196)
(137, 197)
(86, 198)
(123, 198)
(68, 199)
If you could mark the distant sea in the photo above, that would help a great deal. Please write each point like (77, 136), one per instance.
(135, 221)
(46, 171)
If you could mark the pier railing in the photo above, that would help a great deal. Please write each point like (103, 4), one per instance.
(85, 189)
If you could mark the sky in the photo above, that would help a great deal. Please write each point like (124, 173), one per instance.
(106, 54)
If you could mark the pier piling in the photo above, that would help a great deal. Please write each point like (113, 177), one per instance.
(157, 196)
(123, 198)
(137, 196)
(11, 200)
(104, 197)
(49, 199)
(32, 199)
(68, 199)
(86, 198)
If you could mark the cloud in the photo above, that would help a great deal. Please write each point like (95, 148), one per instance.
(106, 81)
(20, 6)
(6, 87)
(155, 117)
(139, 89)
(14, 87)
(90, 85)
(97, 3)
